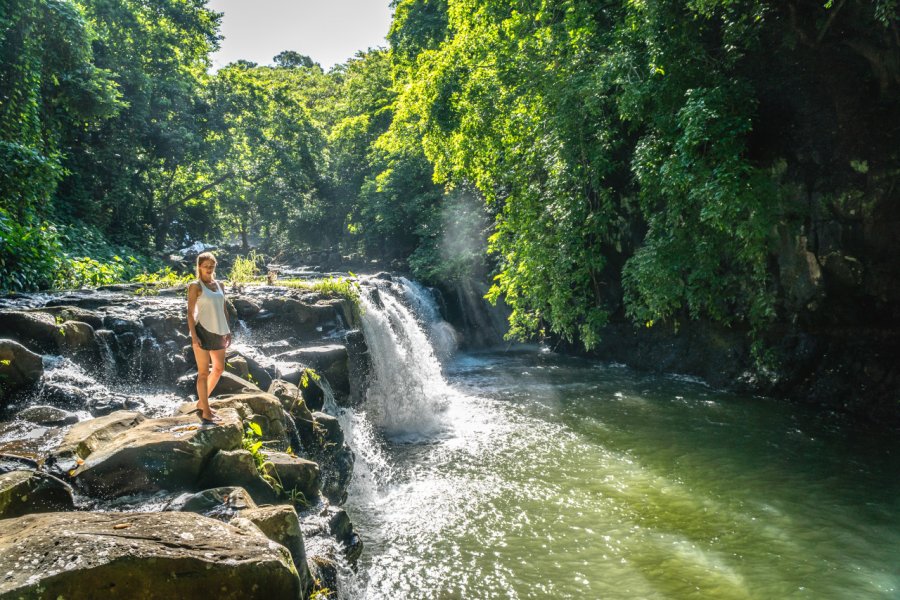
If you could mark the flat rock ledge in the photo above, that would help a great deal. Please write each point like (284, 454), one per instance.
(140, 556)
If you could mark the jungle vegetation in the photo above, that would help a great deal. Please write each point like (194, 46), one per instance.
(593, 157)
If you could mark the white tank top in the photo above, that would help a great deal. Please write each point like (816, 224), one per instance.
(210, 310)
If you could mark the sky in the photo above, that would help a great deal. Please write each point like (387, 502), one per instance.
(328, 31)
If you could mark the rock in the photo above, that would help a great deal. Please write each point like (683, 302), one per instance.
(330, 361)
(292, 400)
(229, 383)
(306, 321)
(164, 325)
(84, 438)
(333, 433)
(260, 407)
(14, 462)
(140, 555)
(222, 503)
(245, 308)
(20, 368)
(157, 454)
(74, 313)
(337, 471)
(296, 473)
(281, 525)
(237, 468)
(35, 330)
(26, 492)
(48, 415)
(341, 528)
(359, 366)
(237, 365)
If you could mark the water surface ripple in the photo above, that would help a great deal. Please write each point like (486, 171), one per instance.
(558, 478)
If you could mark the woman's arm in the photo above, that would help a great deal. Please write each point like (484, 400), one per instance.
(193, 293)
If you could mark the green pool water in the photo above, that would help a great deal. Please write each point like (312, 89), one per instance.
(552, 477)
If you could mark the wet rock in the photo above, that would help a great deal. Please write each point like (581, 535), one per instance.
(237, 468)
(221, 503)
(281, 525)
(106, 403)
(340, 526)
(20, 368)
(279, 347)
(245, 307)
(140, 555)
(359, 366)
(334, 435)
(74, 313)
(48, 415)
(14, 462)
(296, 473)
(26, 492)
(40, 331)
(336, 467)
(237, 365)
(259, 407)
(157, 454)
(229, 383)
(306, 321)
(86, 437)
(87, 300)
(292, 400)
(165, 325)
(329, 361)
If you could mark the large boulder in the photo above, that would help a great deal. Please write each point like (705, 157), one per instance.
(140, 555)
(229, 383)
(48, 415)
(157, 454)
(296, 474)
(85, 437)
(35, 330)
(25, 492)
(330, 360)
(223, 503)
(245, 307)
(237, 468)
(74, 313)
(259, 407)
(281, 525)
(20, 368)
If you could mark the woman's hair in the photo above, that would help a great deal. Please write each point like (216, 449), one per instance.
(205, 256)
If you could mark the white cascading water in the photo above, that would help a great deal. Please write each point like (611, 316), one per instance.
(407, 392)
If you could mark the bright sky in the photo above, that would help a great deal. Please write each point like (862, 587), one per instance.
(328, 31)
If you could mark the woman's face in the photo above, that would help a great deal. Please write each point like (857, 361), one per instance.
(207, 268)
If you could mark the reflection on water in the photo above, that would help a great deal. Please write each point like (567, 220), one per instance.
(557, 478)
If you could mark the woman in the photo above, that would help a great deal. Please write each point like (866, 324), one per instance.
(209, 331)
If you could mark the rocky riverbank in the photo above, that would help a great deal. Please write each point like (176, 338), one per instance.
(109, 481)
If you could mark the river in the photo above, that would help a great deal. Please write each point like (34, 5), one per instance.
(527, 474)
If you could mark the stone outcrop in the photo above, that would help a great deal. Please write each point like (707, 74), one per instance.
(168, 453)
(20, 368)
(24, 492)
(281, 525)
(140, 555)
(296, 474)
(86, 437)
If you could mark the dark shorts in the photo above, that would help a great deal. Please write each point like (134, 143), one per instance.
(209, 340)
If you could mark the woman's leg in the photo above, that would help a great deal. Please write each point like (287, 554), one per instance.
(218, 365)
(202, 357)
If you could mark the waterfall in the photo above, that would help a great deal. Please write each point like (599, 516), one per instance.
(441, 333)
(407, 392)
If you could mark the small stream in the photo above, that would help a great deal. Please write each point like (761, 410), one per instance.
(525, 474)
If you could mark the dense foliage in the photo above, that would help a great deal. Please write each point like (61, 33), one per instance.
(649, 159)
